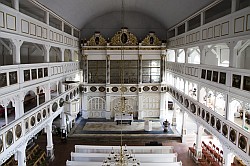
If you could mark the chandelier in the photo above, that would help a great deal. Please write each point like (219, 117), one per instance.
(121, 157)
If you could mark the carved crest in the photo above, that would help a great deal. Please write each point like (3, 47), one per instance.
(151, 40)
(97, 40)
(124, 37)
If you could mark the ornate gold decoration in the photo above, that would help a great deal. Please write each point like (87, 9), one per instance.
(151, 40)
(97, 40)
(125, 38)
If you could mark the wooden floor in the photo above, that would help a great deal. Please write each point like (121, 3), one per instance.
(63, 149)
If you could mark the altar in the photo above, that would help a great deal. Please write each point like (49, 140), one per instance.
(123, 118)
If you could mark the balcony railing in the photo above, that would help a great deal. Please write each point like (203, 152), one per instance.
(16, 22)
(14, 77)
(19, 131)
(233, 25)
(229, 134)
(226, 78)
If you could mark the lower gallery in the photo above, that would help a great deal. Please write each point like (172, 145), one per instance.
(124, 83)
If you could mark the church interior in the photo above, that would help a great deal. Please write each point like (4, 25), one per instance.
(124, 82)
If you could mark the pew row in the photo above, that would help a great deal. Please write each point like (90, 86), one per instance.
(143, 158)
(82, 163)
(132, 149)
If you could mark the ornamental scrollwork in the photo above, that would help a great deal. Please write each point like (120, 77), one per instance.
(124, 38)
(151, 40)
(97, 40)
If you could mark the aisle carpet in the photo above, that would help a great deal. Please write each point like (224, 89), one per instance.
(108, 127)
(111, 126)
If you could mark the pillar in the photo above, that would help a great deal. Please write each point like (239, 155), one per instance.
(20, 155)
(62, 26)
(232, 54)
(162, 69)
(174, 115)
(162, 105)
(17, 51)
(108, 100)
(46, 53)
(49, 147)
(140, 104)
(202, 18)
(140, 69)
(85, 69)
(63, 124)
(227, 156)
(233, 6)
(176, 52)
(6, 114)
(108, 69)
(62, 51)
(46, 17)
(176, 31)
(72, 52)
(186, 26)
(186, 55)
(72, 31)
(200, 131)
(15, 4)
(108, 109)
(202, 54)
(85, 103)
(184, 123)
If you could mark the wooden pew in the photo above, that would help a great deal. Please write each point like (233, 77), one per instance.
(143, 158)
(132, 149)
(82, 163)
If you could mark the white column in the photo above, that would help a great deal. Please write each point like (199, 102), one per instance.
(202, 54)
(186, 26)
(46, 17)
(227, 156)
(202, 18)
(174, 115)
(46, 53)
(234, 6)
(47, 92)
(62, 51)
(63, 123)
(176, 31)
(108, 69)
(140, 105)
(21, 156)
(17, 51)
(85, 103)
(184, 123)
(186, 55)
(162, 105)
(176, 55)
(50, 149)
(72, 31)
(232, 54)
(85, 69)
(62, 26)
(200, 131)
(15, 4)
(6, 114)
(71, 55)
(140, 69)
(108, 109)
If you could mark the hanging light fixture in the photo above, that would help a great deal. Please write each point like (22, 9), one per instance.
(122, 157)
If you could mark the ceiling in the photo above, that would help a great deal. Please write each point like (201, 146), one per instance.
(167, 12)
